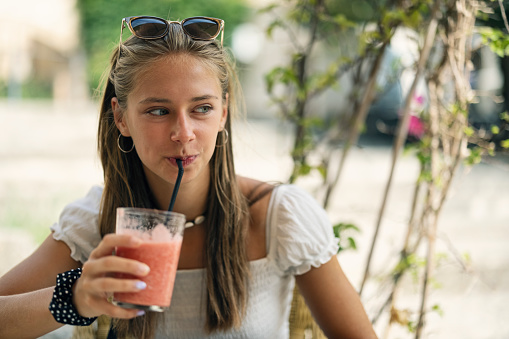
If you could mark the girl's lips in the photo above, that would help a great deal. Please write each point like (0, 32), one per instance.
(186, 161)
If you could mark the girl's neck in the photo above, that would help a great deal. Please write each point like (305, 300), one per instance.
(191, 198)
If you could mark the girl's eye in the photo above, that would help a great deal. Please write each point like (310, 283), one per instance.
(158, 111)
(203, 109)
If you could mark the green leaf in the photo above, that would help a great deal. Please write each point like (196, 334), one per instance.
(273, 25)
(268, 8)
(304, 169)
(342, 21)
(345, 226)
(283, 75)
(496, 39)
(438, 309)
(413, 20)
(475, 156)
(457, 109)
(322, 170)
(469, 131)
(311, 122)
(338, 231)
(424, 158)
(425, 176)
(412, 326)
(467, 258)
(504, 143)
(351, 243)
(495, 129)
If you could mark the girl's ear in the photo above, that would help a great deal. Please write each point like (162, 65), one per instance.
(224, 114)
(119, 118)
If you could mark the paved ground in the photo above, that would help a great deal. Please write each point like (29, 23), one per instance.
(48, 159)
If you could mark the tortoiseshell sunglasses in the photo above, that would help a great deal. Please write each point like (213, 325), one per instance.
(151, 27)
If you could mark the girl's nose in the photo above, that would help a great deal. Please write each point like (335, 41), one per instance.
(182, 131)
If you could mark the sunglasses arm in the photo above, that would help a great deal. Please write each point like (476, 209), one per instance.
(122, 26)
(222, 34)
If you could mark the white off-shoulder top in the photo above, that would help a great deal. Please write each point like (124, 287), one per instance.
(299, 235)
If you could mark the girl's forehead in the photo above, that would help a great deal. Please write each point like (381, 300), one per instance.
(177, 75)
(178, 66)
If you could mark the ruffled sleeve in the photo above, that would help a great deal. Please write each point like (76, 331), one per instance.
(78, 225)
(300, 230)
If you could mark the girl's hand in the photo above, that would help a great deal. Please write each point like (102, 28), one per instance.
(96, 284)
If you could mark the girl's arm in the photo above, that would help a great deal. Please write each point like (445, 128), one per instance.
(39, 270)
(334, 303)
(27, 289)
(26, 315)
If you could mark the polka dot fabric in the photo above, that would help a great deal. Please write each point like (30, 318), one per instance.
(61, 306)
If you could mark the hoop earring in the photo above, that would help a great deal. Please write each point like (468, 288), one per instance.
(120, 147)
(224, 137)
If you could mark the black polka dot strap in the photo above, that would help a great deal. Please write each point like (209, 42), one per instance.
(61, 306)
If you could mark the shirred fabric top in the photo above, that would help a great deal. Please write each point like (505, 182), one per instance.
(299, 236)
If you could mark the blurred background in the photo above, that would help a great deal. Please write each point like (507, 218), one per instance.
(53, 54)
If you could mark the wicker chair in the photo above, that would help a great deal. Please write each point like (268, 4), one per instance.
(98, 330)
(301, 320)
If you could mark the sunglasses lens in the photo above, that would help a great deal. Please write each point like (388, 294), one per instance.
(200, 28)
(149, 27)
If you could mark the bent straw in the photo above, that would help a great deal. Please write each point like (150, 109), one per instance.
(177, 185)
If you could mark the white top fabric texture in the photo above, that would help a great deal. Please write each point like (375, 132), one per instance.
(299, 236)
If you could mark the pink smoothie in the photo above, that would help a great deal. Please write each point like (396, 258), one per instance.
(162, 258)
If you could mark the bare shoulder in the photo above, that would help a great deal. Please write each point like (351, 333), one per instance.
(257, 192)
(258, 195)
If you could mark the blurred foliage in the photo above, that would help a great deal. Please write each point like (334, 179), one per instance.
(496, 39)
(314, 27)
(342, 232)
(358, 11)
(363, 29)
(101, 20)
(31, 88)
(36, 88)
(3, 89)
(492, 14)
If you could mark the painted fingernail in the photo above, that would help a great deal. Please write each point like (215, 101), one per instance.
(140, 313)
(141, 285)
(143, 269)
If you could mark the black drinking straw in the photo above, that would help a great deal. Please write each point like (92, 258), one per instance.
(177, 185)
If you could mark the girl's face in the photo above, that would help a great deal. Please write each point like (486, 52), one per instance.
(175, 111)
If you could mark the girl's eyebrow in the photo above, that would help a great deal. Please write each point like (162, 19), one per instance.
(164, 100)
(204, 97)
(154, 100)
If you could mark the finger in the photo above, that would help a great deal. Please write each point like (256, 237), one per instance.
(109, 285)
(114, 264)
(114, 311)
(123, 313)
(110, 241)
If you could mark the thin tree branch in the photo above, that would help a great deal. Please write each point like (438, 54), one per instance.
(504, 17)
(402, 129)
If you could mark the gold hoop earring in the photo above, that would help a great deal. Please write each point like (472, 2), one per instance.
(120, 147)
(224, 137)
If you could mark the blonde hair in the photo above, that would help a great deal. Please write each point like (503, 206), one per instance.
(125, 184)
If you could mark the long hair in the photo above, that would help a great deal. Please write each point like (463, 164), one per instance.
(125, 184)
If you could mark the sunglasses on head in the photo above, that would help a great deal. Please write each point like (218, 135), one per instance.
(151, 27)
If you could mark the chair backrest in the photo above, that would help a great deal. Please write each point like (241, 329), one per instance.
(301, 320)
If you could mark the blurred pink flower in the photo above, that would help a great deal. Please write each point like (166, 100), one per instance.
(415, 127)
(419, 99)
